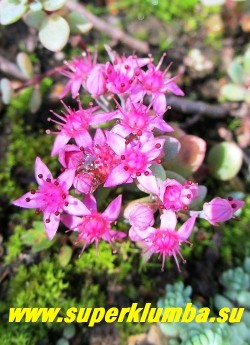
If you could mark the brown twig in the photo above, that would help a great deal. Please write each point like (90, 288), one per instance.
(40, 77)
(111, 31)
(186, 106)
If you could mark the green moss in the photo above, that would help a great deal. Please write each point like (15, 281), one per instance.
(23, 144)
(14, 245)
(96, 261)
(235, 238)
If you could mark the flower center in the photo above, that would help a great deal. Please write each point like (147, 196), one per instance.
(92, 228)
(165, 242)
(153, 81)
(171, 199)
(136, 161)
(52, 196)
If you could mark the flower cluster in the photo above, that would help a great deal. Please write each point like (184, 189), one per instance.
(131, 149)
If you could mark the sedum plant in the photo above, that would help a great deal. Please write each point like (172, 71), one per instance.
(236, 283)
(119, 142)
(53, 26)
(239, 72)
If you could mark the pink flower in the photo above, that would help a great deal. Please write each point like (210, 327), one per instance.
(95, 226)
(137, 155)
(165, 241)
(52, 197)
(138, 119)
(176, 196)
(155, 83)
(75, 124)
(220, 210)
(122, 74)
(78, 72)
(92, 163)
(171, 193)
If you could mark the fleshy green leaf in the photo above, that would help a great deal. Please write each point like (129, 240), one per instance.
(202, 192)
(53, 5)
(12, 11)
(225, 160)
(35, 100)
(69, 331)
(246, 61)
(65, 255)
(34, 19)
(174, 175)
(25, 65)
(232, 92)
(190, 156)
(37, 238)
(158, 171)
(6, 90)
(78, 24)
(36, 6)
(235, 72)
(171, 148)
(54, 32)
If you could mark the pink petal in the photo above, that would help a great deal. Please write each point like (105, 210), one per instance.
(83, 139)
(41, 168)
(76, 207)
(99, 137)
(113, 235)
(103, 117)
(52, 226)
(141, 216)
(66, 178)
(173, 87)
(113, 210)
(90, 202)
(149, 146)
(116, 142)
(160, 103)
(168, 220)
(117, 176)
(148, 183)
(33, 203)
(71, 222)
(121, 130)
(185, 230)
(76, 84)
(59, 143)
(237, 204)
(162, 125)
(137, 94)
(83, 183)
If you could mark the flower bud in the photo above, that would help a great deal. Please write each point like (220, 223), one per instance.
(217, 210)
(141, 216)
(96, 83)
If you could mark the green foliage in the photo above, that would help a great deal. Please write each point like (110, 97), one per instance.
(239, 72)
(164, 10)
(220, 161)
(53, 29)
(39, 285)
(96, 262)
(236, 293)
(14, 246)
(22, 333)
(236, 233)
(37, 238)
(22, 142)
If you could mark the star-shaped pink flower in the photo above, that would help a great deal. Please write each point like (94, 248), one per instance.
(52, 197)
